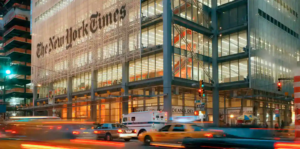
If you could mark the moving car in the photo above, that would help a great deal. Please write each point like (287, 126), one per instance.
(176, 132)
(245, 143)
(110, 131)
(83, 131)
(145, 121)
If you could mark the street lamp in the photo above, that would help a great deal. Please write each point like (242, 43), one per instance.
(231, 118)
(8, 72)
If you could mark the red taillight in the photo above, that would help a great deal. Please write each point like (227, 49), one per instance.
(208, 135)
(8, 130)
(281, 145)
(51, 127)
(120, 131)
(134, 131)
(96, 132)
(276, 138)
(11, 131)
(59, 127)
(76, 132)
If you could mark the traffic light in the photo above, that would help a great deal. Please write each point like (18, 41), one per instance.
(279, 86)
(201, 84)
(196, 113)
(200, 91)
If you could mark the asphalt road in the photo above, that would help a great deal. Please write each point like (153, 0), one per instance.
(73, 144)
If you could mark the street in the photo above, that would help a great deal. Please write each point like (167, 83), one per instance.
(72, 144)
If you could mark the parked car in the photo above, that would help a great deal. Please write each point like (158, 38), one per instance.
(110, 131)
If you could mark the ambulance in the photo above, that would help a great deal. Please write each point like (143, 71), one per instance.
(145, 121)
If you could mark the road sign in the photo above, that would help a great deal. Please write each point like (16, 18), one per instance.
(197, 101)
(276, 109)
(200, 106)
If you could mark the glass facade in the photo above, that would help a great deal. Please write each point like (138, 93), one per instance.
(152, 35)
(190, 68)
(233, 17)
(196, 11)
(147, 67)
(81, 82)
(110, 75)
(232, 71)
(152, 7)
(274, 49)
(222, 2)
(232, 43)
(187, 39)
(60, 87)
(272, 53)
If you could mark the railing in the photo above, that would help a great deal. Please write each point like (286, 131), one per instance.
(16, 16)
(21, 39)
(20, 63)
(21, 28)
(19, 50)
(20, 77)
(20, 90)
(21, 6)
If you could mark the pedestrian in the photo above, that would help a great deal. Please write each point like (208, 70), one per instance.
(282, 124)
(265, 125)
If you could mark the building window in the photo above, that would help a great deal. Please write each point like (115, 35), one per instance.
(265, 73)
(279, 24)
(187, 39)
(82, 82)
(152, 36)
(192, 69)
(147, 67)
(233, 43)
(232, 71)
(222, 2)
(195, 11)
(152, 7)
(60, 87)
(110, 75)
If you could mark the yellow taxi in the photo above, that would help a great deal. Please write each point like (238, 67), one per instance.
(176, 132)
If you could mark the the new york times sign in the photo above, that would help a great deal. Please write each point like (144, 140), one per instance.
(97, 22)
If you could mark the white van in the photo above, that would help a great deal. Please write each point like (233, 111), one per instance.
(145, 121)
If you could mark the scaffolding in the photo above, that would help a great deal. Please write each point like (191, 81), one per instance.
(71, 37)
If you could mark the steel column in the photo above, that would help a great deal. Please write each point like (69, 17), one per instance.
(125, 77)
(93, 106)
(69, 96)
(34, 99)
(167, 54)
(215, 63)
